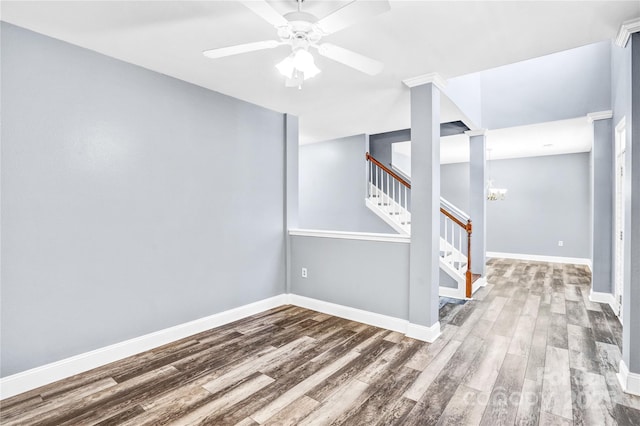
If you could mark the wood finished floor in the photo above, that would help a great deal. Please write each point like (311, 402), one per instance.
(529, 349)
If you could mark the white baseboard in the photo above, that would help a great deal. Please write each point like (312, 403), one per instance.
(607, 298)
(421, 332)
(49, 373)
(630, 382)
(540, 258)
(427, 334)
(353, 314)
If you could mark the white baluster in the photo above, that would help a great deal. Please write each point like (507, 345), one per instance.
(388, 192)
(460, 248)
(393, 198)
(451, 243)
(369, 180)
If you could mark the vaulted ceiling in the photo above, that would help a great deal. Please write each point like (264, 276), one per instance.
(415, 37)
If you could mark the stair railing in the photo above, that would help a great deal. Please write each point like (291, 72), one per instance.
(391, 189)
(456, 232)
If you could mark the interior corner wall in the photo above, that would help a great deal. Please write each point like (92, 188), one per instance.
(547, 201)
(554, 87)
(131, 201)
(333, 187)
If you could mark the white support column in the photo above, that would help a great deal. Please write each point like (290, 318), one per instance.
(424, 269)
(478, 200)
(290, 187)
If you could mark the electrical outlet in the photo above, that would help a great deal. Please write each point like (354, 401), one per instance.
(304, 272)
(560, 243)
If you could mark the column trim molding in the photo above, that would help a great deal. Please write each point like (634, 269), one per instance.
(626, 29)
(433, 77)
(600, 115)
(477, 132)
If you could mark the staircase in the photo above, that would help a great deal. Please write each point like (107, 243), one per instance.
(388, 196)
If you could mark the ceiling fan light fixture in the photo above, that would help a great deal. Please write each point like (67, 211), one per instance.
(300, 62)
(286, 66)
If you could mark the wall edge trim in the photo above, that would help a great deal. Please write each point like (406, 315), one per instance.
(629, 381)
(58, 370)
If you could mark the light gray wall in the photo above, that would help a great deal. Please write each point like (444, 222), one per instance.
(333, 187)
(380, 144)
(368, 275)
(454, 184)
(562, 85)
(548, 201)
(131, 201)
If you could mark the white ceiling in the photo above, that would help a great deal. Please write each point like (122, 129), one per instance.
(415, 37)
(552, 138)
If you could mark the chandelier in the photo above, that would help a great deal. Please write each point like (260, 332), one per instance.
(493, 193)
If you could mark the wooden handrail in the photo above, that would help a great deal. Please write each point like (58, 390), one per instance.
(388, 170)
(465, 226)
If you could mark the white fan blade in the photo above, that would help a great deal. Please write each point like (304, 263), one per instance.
(241, 48)
(352, 13)
(350, 58)
(266, 12)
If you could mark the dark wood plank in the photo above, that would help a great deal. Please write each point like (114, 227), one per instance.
(600, 327)
(505, 396)
(529, 349)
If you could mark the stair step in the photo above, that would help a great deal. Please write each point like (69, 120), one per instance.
(405, 223)
(383, 204)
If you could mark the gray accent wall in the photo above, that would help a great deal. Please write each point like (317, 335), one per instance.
(559, 86)
(548, 200)
(368, 275)
(333, 187)
(131, 201)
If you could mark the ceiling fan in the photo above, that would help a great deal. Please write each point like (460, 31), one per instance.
(301, 31)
